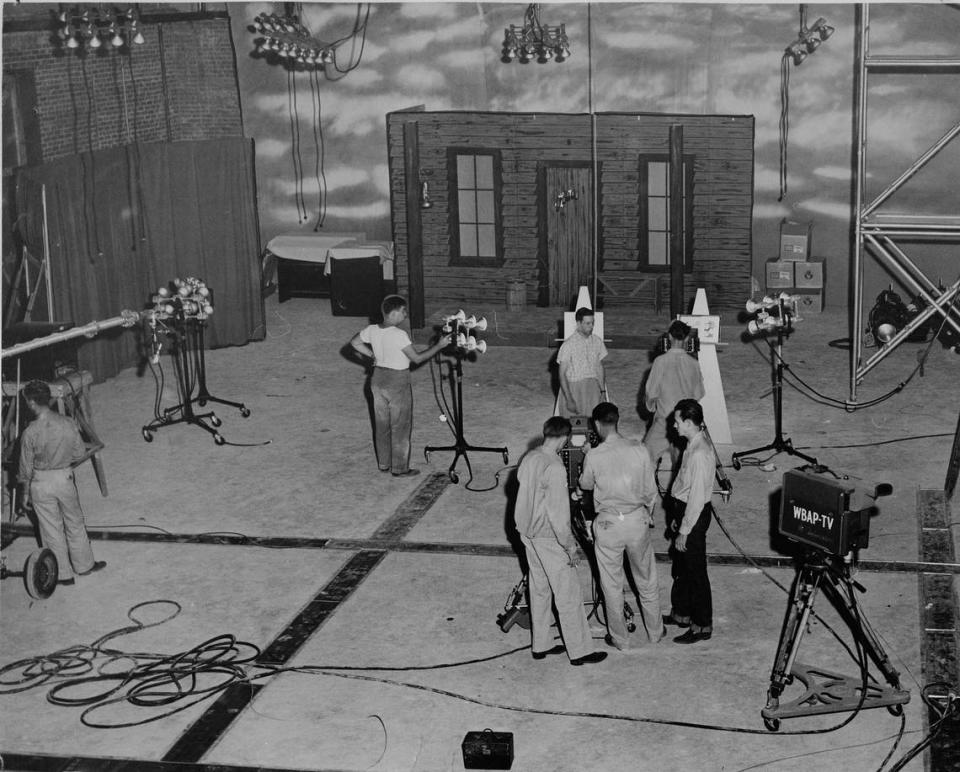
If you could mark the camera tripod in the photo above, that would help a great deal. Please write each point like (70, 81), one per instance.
(825, 691)
(780, 443)
(189, 363)
(460, 446)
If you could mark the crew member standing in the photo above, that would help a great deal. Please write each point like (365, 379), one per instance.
(542, 517)
(620, 474)
(583, 381)
(49, 447)
(674, 375)
(689, 511)
(392, 352)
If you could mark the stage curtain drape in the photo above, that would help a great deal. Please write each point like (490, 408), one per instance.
(124, 221)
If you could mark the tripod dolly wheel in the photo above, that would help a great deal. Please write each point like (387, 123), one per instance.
(245, 412)
(147, 435)
(454, 477)
(772, 724)
(40, 573)
(218, 439)
(506, 457)
(895, 710)
(215, 421)
(735, 463)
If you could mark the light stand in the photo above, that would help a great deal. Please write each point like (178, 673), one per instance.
(463, 343)
(182, 316)
(772, 315)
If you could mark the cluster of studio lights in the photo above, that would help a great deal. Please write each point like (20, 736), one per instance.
(809, 40)
(81, 27)
(769, 313)
(287, 38)
(461, 327)
(535, 41)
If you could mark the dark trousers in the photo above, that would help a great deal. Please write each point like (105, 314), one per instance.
(690, 596)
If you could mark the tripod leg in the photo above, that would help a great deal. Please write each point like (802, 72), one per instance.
(861, 630)
(801, 604)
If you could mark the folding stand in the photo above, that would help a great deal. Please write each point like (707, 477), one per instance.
(780, 443)
(825, 691)
(461, 446)
(189, 364)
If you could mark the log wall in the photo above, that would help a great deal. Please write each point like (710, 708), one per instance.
(722, 147)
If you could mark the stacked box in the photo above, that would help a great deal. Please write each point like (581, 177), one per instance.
(779, 274)
(794, 240)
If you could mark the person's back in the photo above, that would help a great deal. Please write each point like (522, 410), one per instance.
(674, 375)
(49, 447)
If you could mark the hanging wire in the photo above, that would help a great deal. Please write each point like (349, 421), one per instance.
(784, 120)
(295, 142)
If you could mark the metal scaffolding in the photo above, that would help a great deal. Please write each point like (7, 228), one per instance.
(877, 232)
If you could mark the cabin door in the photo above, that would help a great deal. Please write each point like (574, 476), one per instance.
(569, 225)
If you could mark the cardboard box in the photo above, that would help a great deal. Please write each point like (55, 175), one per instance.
(779, 273)
(809, 275)
(809, 302)
(794, 240)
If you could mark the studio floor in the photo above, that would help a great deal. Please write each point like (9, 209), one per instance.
(284, 606)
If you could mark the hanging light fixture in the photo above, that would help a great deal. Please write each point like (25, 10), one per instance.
(535, 40)
(98, 28)
(287, 38)
(809, 38)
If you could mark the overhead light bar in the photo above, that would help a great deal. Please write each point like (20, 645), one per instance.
(809, 38)
(535, 40)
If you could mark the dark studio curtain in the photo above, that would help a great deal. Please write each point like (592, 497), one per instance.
(124, 221)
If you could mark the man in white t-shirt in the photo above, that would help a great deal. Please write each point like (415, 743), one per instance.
(392, 352)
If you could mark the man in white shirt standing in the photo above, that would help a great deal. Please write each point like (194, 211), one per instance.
(583, 381)
(392, 352)
(620, 474)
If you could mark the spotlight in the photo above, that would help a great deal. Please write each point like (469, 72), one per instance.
(888, 316)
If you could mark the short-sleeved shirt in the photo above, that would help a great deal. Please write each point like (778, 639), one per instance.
(51, 442)
(582, 355)
(620, 474)
(674, 375)
(388, 344)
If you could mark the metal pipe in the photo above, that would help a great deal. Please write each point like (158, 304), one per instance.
(126, 319)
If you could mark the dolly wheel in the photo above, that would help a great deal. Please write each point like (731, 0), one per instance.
(40, 573)
(772, 724)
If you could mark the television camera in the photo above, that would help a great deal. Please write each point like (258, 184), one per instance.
(831, 518)
(691, 343)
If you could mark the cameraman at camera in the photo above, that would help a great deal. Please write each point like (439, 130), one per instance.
(620, 474)
(674, 375)
(542, 517)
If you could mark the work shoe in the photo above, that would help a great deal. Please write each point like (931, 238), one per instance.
(96, 567)
(589, 659)
(670, 619)
(692, 637)
(558, 649)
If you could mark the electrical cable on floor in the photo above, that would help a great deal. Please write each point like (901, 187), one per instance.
(160, 681)
(828, 401)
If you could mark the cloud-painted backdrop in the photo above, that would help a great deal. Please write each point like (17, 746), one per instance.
(322, 140)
